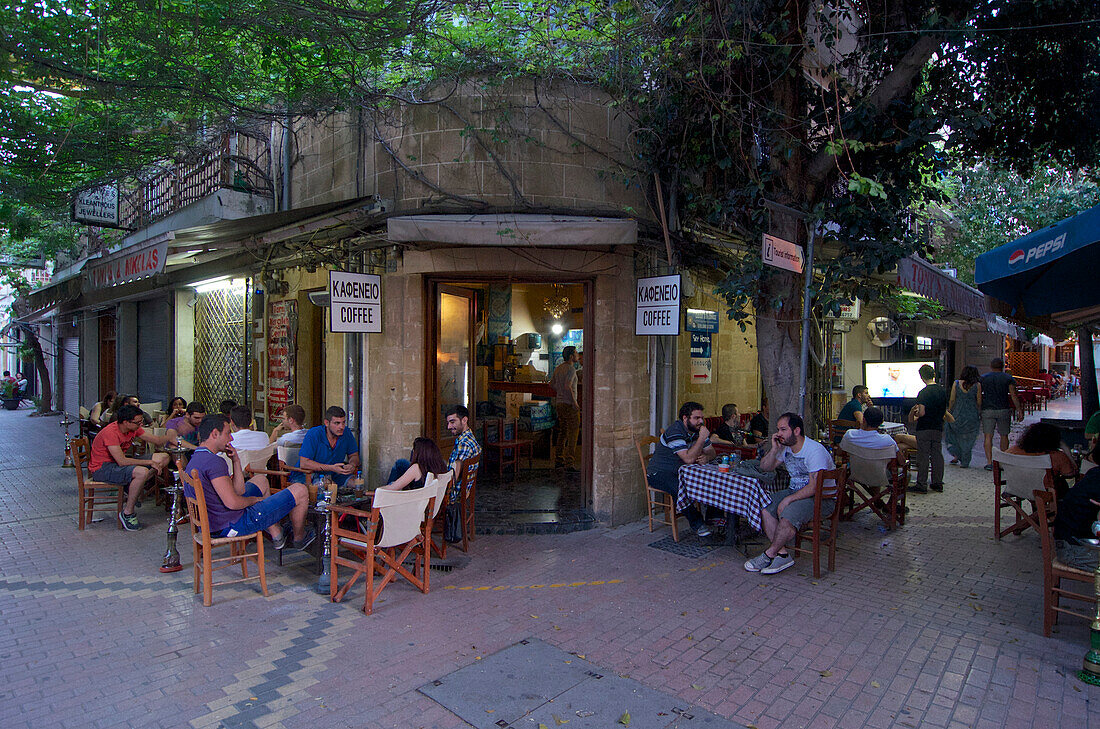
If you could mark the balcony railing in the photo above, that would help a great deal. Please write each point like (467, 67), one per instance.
(240, 164)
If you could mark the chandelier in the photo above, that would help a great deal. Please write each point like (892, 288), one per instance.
(557, 303)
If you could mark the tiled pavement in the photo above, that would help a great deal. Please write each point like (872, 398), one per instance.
(936, 625)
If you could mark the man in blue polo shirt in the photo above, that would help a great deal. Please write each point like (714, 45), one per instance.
(684, 442)
(329, 448)
(236, 506)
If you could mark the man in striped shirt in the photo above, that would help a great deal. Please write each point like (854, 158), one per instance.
(684, 442)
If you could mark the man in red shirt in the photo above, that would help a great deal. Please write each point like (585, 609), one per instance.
(110, 464)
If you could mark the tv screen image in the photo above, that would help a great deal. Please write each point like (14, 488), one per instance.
(894, 379)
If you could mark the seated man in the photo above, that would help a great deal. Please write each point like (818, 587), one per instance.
(329, 449)
(21, 384)
(235, 506)
(244, 438)
(225, 406)
(291, 429)
(1076, 512)
(184, 429)
(758, 426)
(466, 445)
(867, 435)
(853, 409)
(110, 464)
(791, 508)
(684, 442)
(731, 424)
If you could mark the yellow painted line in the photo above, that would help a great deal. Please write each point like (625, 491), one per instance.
(533, 587)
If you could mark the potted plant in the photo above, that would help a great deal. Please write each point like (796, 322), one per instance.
(7, 394)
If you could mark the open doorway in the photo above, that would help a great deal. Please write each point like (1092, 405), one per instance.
(493, 345)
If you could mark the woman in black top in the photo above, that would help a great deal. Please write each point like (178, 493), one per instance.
(425, 459)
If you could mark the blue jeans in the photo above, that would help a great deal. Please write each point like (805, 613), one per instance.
(669, 482)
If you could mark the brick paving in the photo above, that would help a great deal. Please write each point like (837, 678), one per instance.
(934, 625)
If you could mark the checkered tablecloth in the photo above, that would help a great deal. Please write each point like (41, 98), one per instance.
(731, 492)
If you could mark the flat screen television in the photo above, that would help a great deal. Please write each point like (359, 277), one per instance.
(894, 379)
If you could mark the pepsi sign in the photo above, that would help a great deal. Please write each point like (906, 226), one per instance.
(1038, 252)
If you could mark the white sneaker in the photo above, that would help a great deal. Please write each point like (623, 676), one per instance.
(758, 563)
(703, 531)
(780, 563)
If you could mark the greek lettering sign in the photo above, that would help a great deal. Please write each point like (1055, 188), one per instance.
(657, 309)
(123, 268)
(782, 254)
(356, 302)
(97, 206)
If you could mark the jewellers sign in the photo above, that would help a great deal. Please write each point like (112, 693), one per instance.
(124, 268)
(97, 206)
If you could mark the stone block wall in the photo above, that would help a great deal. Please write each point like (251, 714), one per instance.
(524, 144)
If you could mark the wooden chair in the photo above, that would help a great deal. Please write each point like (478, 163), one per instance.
(436, 524)
(1054, 571)
(656, 500)
(508, 451)
(205, 544)
(877, 480)
(815, 531)
(284, 456)
(467, 491)
(837, 429)
(395, 522)
(1015, 479)
(93, 496)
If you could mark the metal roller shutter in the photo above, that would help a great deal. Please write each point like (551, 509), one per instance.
(153, 346)
(70, 375)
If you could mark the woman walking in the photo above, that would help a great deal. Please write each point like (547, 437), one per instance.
(965, 405)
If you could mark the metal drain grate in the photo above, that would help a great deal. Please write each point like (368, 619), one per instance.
(688, 546)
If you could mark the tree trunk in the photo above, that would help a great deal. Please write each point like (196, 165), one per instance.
(46, 390)
(1090, 402)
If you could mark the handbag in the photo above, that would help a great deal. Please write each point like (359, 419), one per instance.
(452, 524)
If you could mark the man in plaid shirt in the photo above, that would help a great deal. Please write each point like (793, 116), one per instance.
(466, 446)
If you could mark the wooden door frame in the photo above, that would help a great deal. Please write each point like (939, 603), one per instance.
(434, 288)
(432, 282)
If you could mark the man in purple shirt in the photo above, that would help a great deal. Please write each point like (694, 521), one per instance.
(185, 426)
(235, 506)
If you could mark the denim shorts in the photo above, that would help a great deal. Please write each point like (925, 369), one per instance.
(111, 472)
(262, 514)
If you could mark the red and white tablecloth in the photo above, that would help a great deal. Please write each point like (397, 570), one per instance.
(731, 491)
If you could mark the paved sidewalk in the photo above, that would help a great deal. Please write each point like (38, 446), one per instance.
(935, 625)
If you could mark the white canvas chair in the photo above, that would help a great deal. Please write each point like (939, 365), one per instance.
(877, 479)
(435, 526)
(394, 532)
(1015, 478)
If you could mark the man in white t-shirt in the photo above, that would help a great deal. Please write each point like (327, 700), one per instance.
(244, 438)
(791, 508)
(291, 430)
(867, 435)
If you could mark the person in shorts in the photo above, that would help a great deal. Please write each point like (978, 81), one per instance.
(235, 506)
(110, 463)
(999, 399)
(792, 508)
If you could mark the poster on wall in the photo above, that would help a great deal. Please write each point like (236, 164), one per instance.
(282, 341)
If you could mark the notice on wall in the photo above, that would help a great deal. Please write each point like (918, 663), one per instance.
(657, 306)
(701, 362)
(782, 254)
(356, 300)
(282, 345)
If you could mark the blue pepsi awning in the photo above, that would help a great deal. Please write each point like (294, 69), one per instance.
(1051, 272)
